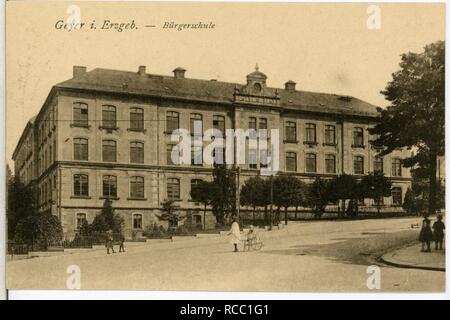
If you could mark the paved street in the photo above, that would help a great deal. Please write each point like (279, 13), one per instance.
(306, 256)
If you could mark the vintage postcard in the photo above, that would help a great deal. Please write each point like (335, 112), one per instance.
(225, 146)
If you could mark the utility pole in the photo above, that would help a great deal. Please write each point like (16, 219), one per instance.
(271, 201)
(238, 195)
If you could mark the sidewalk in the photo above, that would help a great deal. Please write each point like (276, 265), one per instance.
(412, 257)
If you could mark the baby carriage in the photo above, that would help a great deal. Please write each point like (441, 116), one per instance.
(252, 241)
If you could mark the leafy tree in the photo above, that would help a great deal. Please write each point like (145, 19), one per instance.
(107, 220)
(318, 196)
(409, 202)
(39, 230)
(255, 193)
(416, 115)
(204, 192)
(21, 203)
(375, 186)
(224, 200)
(343, 188)
(169, 213)
(287, 191)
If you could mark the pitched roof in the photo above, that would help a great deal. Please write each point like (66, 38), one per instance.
(108, 80)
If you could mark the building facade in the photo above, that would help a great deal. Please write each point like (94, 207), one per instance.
(107, 134)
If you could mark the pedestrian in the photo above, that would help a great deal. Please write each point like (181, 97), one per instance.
(109, 241)
(121, 241)
(426, 235)
(235, 234)
(438, 228)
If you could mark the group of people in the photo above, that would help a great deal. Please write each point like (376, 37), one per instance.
(235, 234)
(110, 242)
(427, 235)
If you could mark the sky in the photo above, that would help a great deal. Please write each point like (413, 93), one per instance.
(322, 47)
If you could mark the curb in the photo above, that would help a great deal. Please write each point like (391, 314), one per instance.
(408, 266)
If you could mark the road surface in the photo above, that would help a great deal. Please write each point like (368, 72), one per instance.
(330, 256)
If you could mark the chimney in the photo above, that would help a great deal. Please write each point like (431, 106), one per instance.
(141, 71)
(179, 73)
(290, 85)
(78, 71)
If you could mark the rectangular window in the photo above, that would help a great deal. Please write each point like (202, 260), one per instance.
(81, 220)
(378, 165)
(358, 165)
(330, 135)
(196, 155)
(252, 158)
(110, 186)
(109, 117)
(137, 221)
(80, 114)
(330, 163)
(137, 119)
(396, 167)
(291, 161)
(169, 159)
(173, 189)
(396, 196)
(136, 152)
(358, 137)
(172, 121)
(310, 133)
(196, 121)
(219, 123)
(291, 131)
(252, 123)
(81, 185)
(310, 162)
(137, 187)
(80, 149)
(109, 151)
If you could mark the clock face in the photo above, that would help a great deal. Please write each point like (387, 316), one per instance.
(257, 88)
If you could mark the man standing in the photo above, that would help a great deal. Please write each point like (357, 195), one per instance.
(121, 241)
(235, 234)
(438, 228)
(109, 241)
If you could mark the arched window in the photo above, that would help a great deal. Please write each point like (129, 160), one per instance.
(110, 186)
(196, 119)
(310, 133)
(173, 189)
(291, 161)
(330, 163)
(330, 135)
(136, 152)
(358, 137)
(290, 131)
(310, 162)
(172, 121)
(80, 114)
(81, 185)
(137, 187)
(136, 119)
(137, 221)
(109, 119)
(109, 151)
(358, 165)
(81, 220)
(80, 149)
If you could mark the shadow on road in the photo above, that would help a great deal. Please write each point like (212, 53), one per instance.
(362, 251)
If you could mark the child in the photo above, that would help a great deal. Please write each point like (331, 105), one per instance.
(426, 235)
(251, 236)
(438, 228)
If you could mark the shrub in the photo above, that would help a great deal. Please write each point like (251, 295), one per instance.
(40, 231)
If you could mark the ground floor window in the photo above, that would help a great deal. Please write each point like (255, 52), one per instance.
(397, 196)
(81, 220)
(137, 221)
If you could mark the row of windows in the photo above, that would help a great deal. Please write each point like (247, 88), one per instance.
(109, 150)
(109, 116)
(195, 120)
(136, 220)
(330, 164)
(290, 132)
(109, 186)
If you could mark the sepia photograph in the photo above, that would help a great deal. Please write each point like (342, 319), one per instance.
(225, 147)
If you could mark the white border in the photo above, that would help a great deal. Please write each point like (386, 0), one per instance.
(178, 295)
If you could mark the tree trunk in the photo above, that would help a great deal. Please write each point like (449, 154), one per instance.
(285, 215)
(204, 218)
(432, 195)
(296, 211)
(254, 208)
